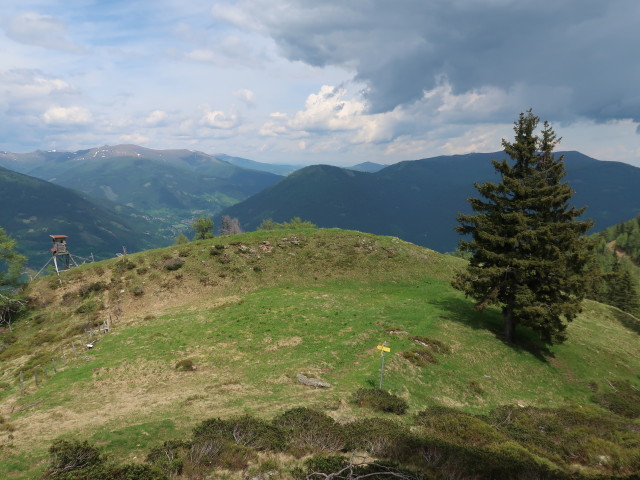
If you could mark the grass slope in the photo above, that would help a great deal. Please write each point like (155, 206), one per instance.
(252, 311)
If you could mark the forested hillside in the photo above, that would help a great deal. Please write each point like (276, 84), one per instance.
(418, 200)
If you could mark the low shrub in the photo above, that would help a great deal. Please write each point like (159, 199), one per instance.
(379, 437)
(86, 290)
(69, 455)
(323, 464)
(380, 400)
(123, 265)
(169, 457)
(457, 427)
(173, 264)
(256, 433)
(309, 430)
(185, 365)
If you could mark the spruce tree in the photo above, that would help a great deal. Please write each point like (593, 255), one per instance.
(527, 252)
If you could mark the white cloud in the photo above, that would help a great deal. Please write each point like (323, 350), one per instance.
(32, 28)
(220, 119)
(246, 96)
(67, 116)
(157, 118)
(134, 138)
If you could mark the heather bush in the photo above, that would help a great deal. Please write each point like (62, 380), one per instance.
(380, 400)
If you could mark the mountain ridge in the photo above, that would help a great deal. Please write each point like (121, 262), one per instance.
(418, 200)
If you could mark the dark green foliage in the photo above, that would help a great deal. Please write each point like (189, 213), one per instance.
(626, 238)
(324, 464)
(624, 399)
(11, 265)
(255, 433)
(86, 290)
(169, 457)
(379, 400)
(181, 239)
(173, 264)
(123, 265)
(527, 253)
(622, 289)
(309, 430)
(379, 437)
(69, 455)
(457, 427)
(203, 228)
(11, 262)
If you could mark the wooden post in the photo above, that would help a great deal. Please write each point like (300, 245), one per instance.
(35, 376)
(21, 383)
(73, 347)
(53, 365)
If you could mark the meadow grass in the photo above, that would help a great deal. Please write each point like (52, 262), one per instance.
(319, 304)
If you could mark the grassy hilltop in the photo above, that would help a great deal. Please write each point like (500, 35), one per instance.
(252, 311)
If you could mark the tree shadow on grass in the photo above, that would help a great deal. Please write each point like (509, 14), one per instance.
(626, 320)
(461, 310)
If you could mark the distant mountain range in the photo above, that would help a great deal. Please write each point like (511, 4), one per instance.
(141, 198)
(167, 185)
(276, 168)
(419, 200)
(34, 209)
(370, 167)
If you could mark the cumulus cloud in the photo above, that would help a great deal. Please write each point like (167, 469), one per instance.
(32, 28)
(553, 56)
(67, 116)
(157, 118)
(134, 138)
(246, 96)
(220, 120)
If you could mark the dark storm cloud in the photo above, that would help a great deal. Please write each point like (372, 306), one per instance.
(566, 59)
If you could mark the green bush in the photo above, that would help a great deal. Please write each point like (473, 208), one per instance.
(173, 264)
(323, 464)
(309, 430)
(379, 437)
(169, 457)
(86, 290)
(457, 427)
(380, 400)
(255, 433)
(69, 455)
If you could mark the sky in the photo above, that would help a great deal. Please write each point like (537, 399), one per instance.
(307, 81)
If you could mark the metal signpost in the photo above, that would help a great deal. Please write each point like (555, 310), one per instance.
(383, 348)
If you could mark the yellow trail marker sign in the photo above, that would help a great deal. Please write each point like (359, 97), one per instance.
(383, 348)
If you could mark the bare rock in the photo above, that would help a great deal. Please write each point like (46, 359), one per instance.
(312, 382)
